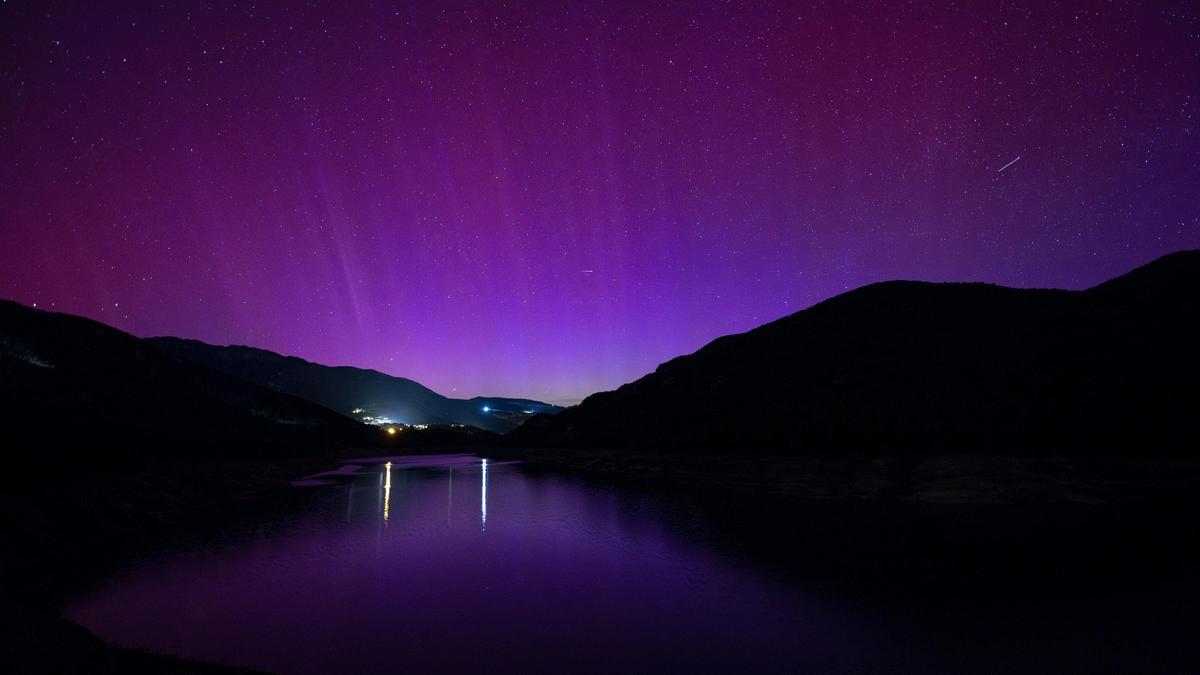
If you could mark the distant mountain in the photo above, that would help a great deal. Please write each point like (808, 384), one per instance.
(355, 392)
(83, 390)
(911, 366)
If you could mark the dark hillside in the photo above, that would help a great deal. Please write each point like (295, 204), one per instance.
(77, 389)
(923, 367)
(346, 389)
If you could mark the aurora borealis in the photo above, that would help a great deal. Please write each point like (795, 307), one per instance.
(549, 199)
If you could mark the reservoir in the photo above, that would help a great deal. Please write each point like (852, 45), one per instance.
(457, 563)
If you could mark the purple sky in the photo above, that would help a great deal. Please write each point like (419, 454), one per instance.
(548, 200)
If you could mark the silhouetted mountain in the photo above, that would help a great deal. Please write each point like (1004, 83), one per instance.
(78, 387)
(514, 406)
(915, 366)
(355, 392)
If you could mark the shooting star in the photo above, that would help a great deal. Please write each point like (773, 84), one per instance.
(1009, 164)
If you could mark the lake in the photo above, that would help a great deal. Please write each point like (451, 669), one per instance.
(455, 563)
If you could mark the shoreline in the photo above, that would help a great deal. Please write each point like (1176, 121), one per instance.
(65, 540)
(1012, 478)
(932, 518)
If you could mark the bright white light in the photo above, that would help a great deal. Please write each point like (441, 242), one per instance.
(486, 409)
(387, 489)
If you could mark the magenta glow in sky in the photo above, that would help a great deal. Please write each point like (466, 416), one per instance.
(549, 199)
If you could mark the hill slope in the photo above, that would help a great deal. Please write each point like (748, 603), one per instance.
(345, 389)
(927, 367)
(89, 391)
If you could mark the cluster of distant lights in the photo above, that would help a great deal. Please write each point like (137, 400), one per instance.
(370, 419)
(392, 427)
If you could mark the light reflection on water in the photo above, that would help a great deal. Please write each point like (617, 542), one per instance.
(390, 568)
(387, 490)
(554, 576)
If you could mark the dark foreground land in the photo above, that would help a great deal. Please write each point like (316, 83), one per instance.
(946, 536)
(862, 446)
(67, 527)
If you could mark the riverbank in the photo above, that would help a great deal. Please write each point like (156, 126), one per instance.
(940, 479)
(956, 535)
(68, 528)
(949, 534)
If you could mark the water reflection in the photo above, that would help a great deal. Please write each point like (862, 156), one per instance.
(387, 489)
(583, 578)
(483, 496)
(562, 569)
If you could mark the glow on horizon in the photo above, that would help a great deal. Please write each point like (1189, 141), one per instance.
(500, 212)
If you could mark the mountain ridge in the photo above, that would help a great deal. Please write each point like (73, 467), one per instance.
(346, 389)
(909, 365)
(101, 394)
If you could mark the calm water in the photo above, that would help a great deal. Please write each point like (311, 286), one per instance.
(453, 563)
(458, 564)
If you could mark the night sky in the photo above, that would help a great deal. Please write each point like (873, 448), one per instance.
(547, 199)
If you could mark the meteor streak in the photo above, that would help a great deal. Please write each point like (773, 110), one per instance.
(1009, 164)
